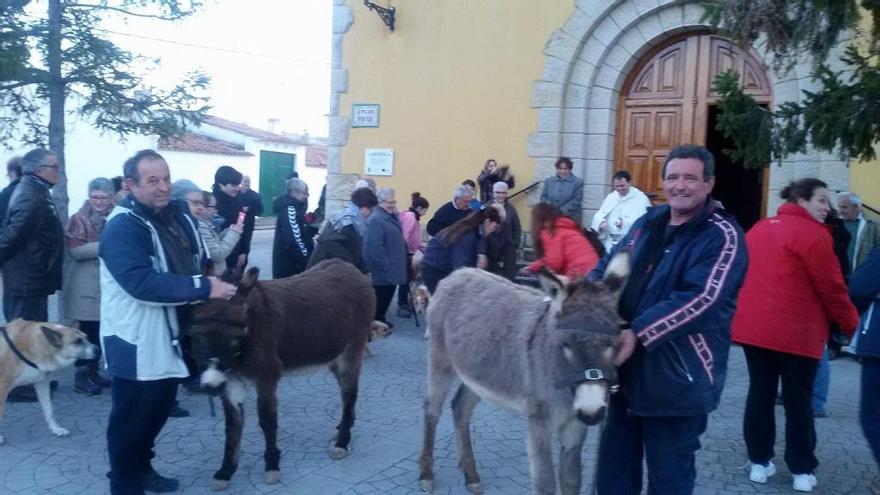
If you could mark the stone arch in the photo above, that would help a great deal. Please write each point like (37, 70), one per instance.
(588, 60)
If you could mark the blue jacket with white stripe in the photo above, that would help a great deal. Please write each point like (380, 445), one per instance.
(682, 319)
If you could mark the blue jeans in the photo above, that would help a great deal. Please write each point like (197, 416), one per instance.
(869, 409)
(139, 410)
(668, 445)
(823, 381)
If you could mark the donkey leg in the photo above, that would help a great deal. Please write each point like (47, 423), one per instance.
(540, 453)
(440, 374)
(233, 411)
(463, 405)
(267, 408)
(347, 369)
(571, 440)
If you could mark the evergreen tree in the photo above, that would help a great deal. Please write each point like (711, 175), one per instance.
(843, 115)
(49, 57)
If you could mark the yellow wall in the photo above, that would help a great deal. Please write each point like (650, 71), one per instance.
(454, 82)
(864, 177)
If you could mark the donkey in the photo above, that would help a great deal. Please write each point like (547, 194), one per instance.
(318, 317)
(549, 358)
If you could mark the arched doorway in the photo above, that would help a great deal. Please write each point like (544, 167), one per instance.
(667, 100)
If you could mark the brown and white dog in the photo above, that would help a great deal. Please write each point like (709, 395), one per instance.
(29, 350)
(378, 330)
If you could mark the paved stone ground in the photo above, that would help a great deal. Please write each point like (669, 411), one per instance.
(387, 436)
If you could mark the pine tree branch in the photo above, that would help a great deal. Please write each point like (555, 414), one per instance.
(124, 11)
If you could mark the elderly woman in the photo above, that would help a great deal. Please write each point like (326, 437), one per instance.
(564, 190)
(82, 293)
(202, 205)
(793, 288)
(343, 235)
(293, 236)
(385, 251)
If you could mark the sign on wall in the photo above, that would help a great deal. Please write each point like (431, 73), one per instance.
(365, 115)
(378, 161)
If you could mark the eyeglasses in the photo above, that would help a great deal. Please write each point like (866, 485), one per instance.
(100, 198)
(49, 166)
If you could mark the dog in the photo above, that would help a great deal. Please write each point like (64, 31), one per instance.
(378, 330)
(29, 350)
(419, 295)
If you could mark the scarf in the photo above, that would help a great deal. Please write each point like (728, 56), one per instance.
(349, 215)
(85, 226)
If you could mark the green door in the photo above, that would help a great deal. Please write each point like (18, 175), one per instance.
(274, 169)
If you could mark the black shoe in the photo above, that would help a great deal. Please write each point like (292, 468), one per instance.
(24, 393)
(156, 483)
(83, 384)
(100, 380)
(178, 412)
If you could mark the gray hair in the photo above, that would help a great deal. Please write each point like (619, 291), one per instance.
(296, 185)
(462, 191)
(500, 186)
(384, 193)
(34, 159)
(102, 184)
(180, 188)
(853, 198)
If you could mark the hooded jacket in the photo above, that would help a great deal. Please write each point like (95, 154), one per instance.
(566, 251)
(682, 318)
(793, 288)
(140, 330)
(293, 239)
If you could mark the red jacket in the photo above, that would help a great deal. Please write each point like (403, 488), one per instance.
(566, 252)
(793, 287)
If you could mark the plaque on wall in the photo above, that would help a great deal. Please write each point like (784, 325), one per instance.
(365, 115)
(378, 161)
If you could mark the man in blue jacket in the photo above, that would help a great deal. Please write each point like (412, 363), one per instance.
(864, 289)
(688, 261)
(151, 261)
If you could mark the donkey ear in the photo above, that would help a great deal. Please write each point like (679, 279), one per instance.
(248, 280)
(55, 338)
(617, 272)
(556, 287)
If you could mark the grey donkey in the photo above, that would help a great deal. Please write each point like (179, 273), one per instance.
(547, 357)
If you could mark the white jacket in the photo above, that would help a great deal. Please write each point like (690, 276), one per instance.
(619, 213)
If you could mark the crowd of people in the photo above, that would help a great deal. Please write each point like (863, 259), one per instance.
(142, 248)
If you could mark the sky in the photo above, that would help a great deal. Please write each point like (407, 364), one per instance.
(268, 59)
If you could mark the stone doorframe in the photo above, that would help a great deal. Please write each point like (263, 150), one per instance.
(587, 60)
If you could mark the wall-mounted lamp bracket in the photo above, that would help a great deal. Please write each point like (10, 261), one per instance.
(386, 14)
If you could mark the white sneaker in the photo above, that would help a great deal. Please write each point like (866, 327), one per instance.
(804, 482)
(760, 473)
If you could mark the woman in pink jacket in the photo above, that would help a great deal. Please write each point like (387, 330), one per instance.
(412, 235)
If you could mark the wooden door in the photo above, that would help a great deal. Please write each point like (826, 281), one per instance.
(666, 98)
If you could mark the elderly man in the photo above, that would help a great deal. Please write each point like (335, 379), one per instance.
(293, 244)
(865, 233)
(385, 251)
(564, 190)
(151, 264)
(621, 208)
(453, 211)
(688, 262)
(503, 243)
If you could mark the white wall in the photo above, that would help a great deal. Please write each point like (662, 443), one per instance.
(315, 177)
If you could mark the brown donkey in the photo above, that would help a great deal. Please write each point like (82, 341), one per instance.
(322, 316)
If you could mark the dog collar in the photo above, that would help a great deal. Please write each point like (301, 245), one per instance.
(16, 351)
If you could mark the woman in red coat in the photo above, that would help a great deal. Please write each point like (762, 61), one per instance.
(793, 288)
(559, 244)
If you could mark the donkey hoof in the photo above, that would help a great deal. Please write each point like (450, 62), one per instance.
(273, 477)
(474, 488)
(427, 486)
(219, 485)
(338, 453)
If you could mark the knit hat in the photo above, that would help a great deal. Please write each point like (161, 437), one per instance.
(102, 184)
(227, 175)
(182, 187)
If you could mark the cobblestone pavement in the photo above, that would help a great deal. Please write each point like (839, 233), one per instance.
(387, 436)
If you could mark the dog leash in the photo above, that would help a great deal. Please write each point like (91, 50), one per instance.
(16, 351)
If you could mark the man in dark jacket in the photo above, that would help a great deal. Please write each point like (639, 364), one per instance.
(32, 241)
(13, 171)
(864, 289)
(343, 235)
(227, 190)
(688, 262)
(453, 211)
(293, 237)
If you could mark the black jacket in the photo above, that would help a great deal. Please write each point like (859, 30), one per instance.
(32, 241)
(228, 207)
(344, 244)
(5, 195)
(445, 216)
(293, 240)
